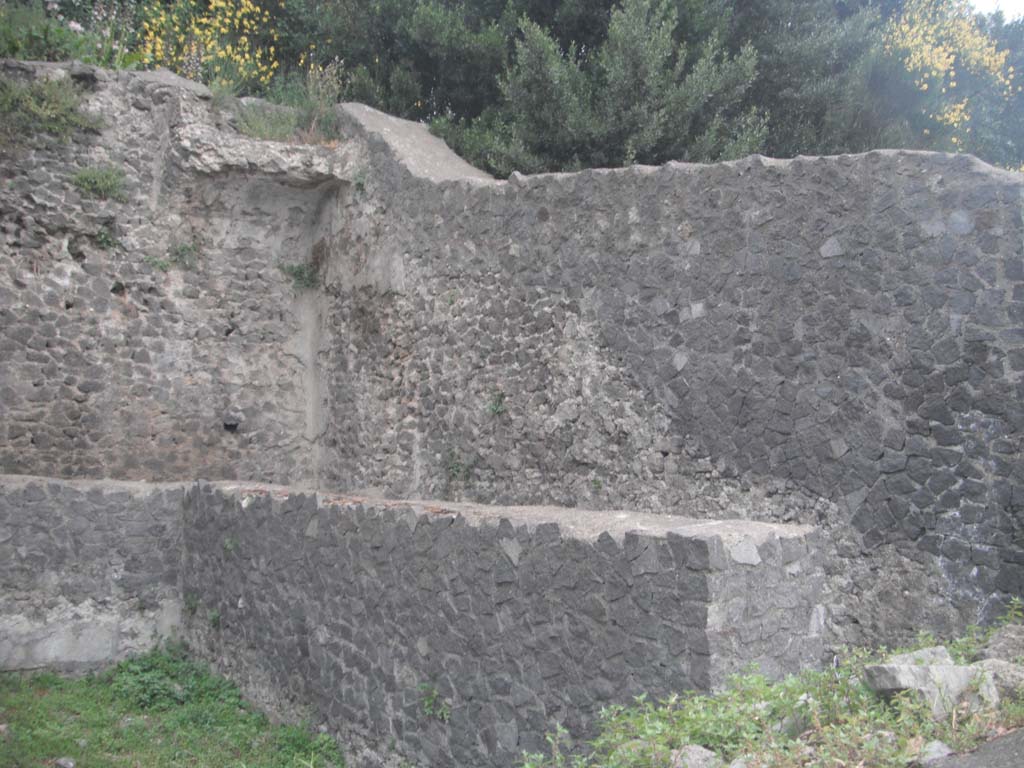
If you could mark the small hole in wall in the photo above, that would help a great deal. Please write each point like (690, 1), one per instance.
(230, 426)
(118, 288)
(229, 330)
(68, 303)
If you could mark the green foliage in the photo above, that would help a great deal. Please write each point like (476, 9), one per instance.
(102, 33)
(157, 263)
(42, 106)
(490, 142)
(160, 710)
(457, 468)
(304, 276)
(185, 255)
(303, 107)
(562, 84)
(641, 96)
(101, 182)
(267, 121)
(168, 678)
(816, 718)
(823, 77)
(27, 32)
(213, 616)
(106, 239)
(432, 704)
(497, 405)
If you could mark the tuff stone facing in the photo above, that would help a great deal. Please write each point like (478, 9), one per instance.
(830, 340)
(118, 362)
(345, 611)
(518, 618)
(837, 341)
(88, 570)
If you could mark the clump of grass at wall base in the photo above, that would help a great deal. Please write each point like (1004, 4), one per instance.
(160, 710)
(817, 719)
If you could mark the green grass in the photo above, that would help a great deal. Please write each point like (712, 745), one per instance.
(101, 182)
(160, 710)
(267, 122)
(301, 108)
(42, 106)
(817, 719)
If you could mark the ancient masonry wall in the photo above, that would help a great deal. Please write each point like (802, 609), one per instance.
(457, 632)
(89, 571)
(832, 341)
(155, 336)
(838, 341)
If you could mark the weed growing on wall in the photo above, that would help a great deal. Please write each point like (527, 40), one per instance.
(101, 182)
(106, 239)
(359, 181)
(457, 468)
(160, 709)
(50, 107)
(184, 255)
(497, 406)
(432, 704)
(303, 107)
(303, 276)
(157, 263)
(267, 122)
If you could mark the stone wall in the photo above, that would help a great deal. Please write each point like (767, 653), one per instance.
(156, 337)
(454, 634)
(831, 340)
(836, 341)
(88, 570)
(464, 633)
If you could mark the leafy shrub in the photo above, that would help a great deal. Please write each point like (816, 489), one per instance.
(105, 34)
(638, 97)
(225, 42)
(41, 106)
(27, 32)
(102, 182)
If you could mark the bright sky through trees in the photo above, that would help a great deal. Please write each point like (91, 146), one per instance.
(1012, 9)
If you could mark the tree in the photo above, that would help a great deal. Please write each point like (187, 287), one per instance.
(960, 70)
(638, 96)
